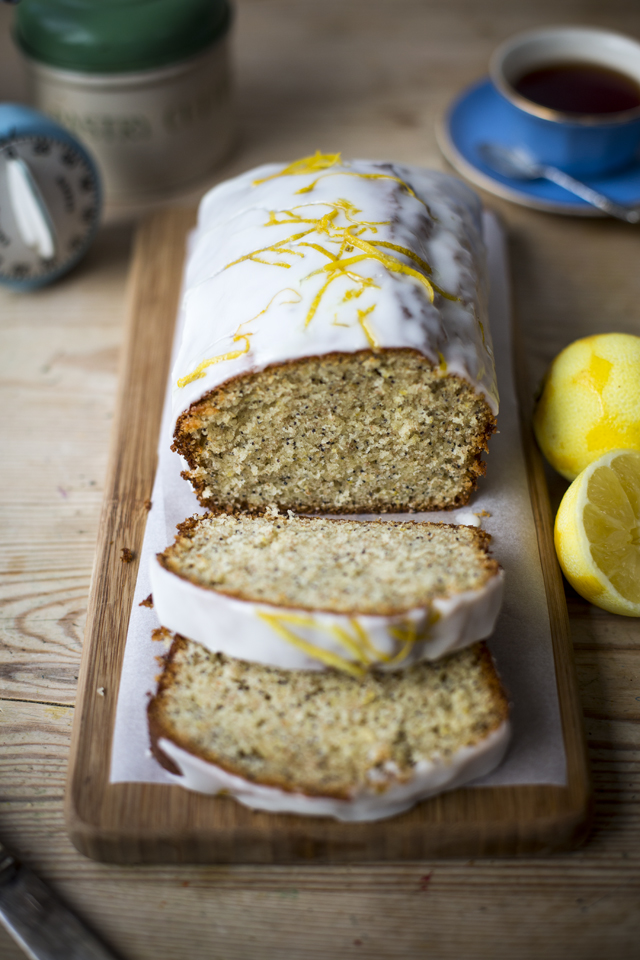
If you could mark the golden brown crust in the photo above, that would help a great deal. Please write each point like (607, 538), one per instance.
(188, 527)
(187, 446)
(492, 678)
(157, 728)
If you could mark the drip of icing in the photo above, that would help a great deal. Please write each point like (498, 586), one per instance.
(371, 802)
(308, 640)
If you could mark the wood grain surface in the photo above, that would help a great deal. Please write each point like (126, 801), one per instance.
(133, 822)
(368, 78)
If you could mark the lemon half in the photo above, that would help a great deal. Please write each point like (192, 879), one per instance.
(597, 533)
(590, 402)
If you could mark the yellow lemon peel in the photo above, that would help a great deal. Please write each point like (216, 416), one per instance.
(318, 161)
(199, 371)
(358, 644)
(327, 657)
(369, 252)
(366, 326)
(590, 402)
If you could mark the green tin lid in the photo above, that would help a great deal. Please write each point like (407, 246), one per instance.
(117, 36)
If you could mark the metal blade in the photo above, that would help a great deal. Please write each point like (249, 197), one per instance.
(38, 921)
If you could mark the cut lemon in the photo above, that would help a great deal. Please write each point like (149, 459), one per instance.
(597, 533)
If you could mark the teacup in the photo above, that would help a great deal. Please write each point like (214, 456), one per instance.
(585, 144)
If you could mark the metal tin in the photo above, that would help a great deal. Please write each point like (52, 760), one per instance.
(152, 132)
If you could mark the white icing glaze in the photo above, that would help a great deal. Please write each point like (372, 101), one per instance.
(387, 796)
(261, 313)
(468, 518)
(240, 628)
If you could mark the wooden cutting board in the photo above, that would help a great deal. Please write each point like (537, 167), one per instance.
(151, 823)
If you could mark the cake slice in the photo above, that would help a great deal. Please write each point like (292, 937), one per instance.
(314, 592)
(327, 744)
(336, 354)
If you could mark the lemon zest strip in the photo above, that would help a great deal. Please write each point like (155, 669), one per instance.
(391, 264)
(315, 303)
(318, 161)
(402, 654)
(325, 656)
(351, 645)
(369, 647)
(198, 373)
(366, 326)
(278, 247)
(406, 632)
(320, 249)
(405, 250)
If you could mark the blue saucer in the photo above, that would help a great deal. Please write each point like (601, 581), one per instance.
(478, 115)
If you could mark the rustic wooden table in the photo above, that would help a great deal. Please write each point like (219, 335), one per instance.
(368, 77)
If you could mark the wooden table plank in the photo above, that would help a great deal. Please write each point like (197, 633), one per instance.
(490, 909)
(367, 78)
(60, 354)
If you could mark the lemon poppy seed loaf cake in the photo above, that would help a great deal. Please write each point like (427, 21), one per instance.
(327, 744)
(307, 593)
(335, 355)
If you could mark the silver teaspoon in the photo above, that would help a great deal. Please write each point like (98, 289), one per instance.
(516, 163)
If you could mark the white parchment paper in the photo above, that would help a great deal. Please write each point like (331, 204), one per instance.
(521, 643)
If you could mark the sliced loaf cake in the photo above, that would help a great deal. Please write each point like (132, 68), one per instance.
(314, 592)
(327, 744)
(336, 354)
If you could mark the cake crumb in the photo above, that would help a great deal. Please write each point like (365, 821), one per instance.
(100, 691)
(148, 504)
(127, 555)
(161, 634)
(147, 602)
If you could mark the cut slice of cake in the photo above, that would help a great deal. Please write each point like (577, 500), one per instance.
(327, 744)
(313, 592)
(336, 354)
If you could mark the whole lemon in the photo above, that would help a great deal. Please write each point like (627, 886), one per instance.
(590, 402)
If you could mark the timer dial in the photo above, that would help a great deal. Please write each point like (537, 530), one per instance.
(49, 208)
